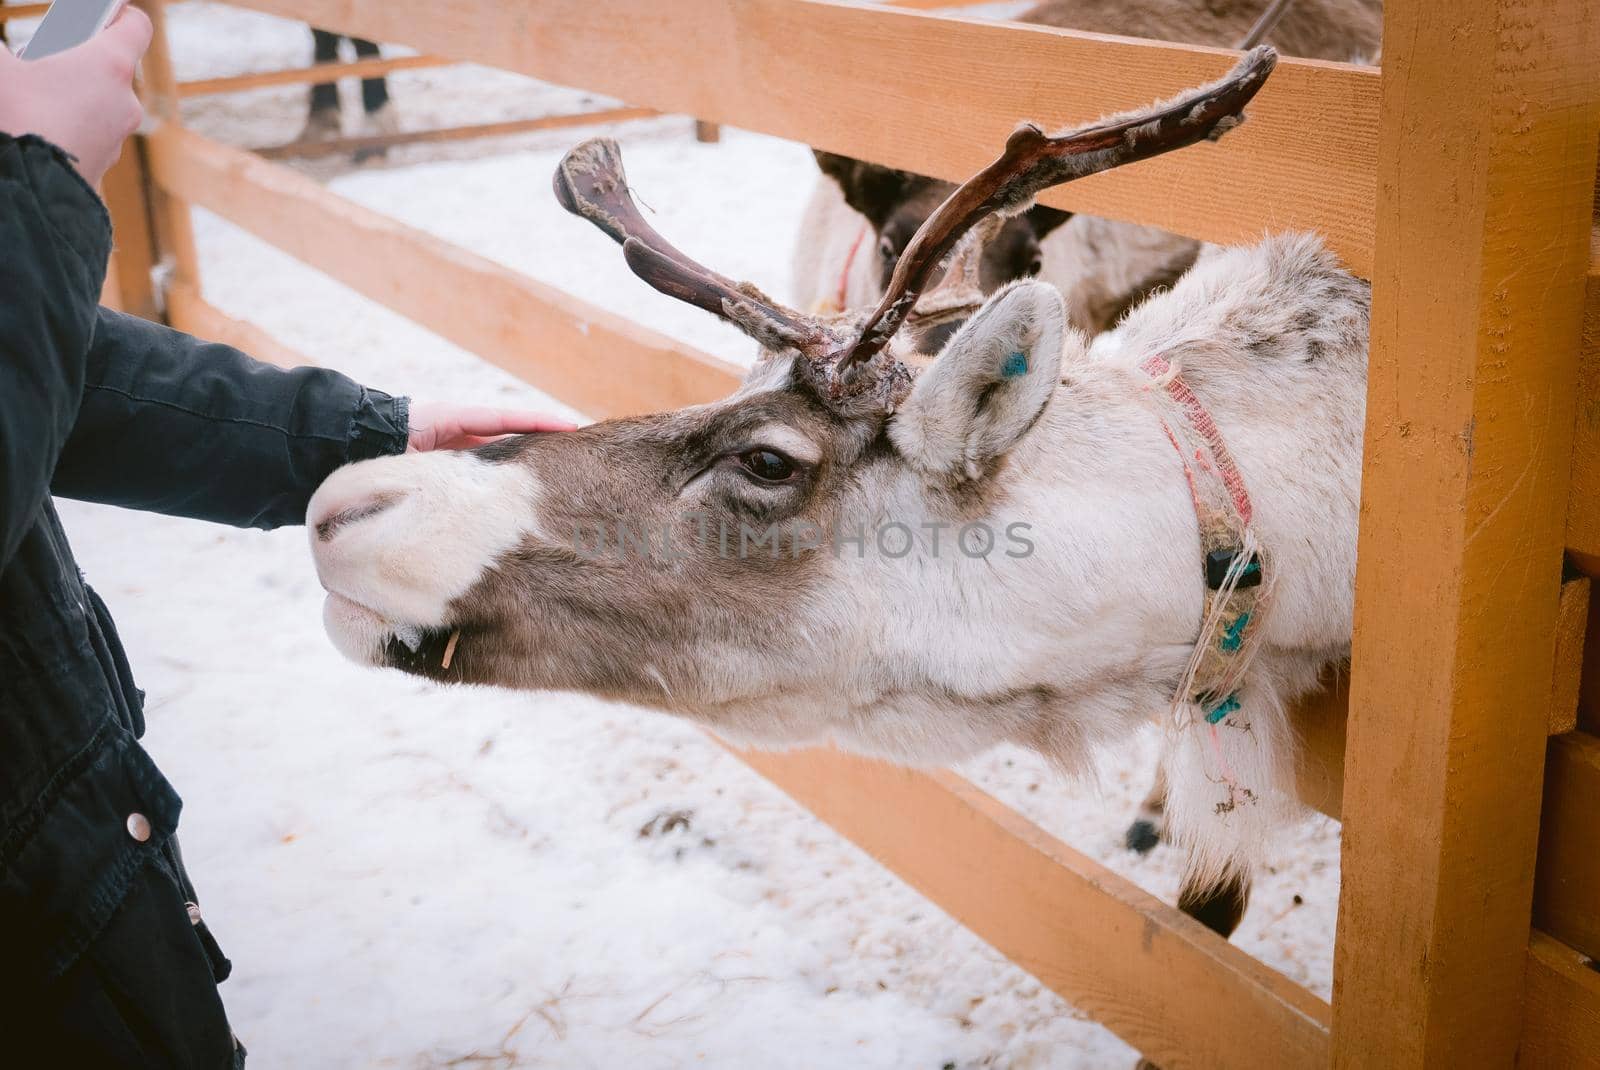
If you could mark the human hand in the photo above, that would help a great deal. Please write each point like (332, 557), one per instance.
(81, 100)
(437, 426)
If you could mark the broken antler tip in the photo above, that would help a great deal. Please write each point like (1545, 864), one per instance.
(1259, 61)
(592, 154)
(587, 167)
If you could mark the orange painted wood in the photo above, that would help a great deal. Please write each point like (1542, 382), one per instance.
(125, 189)
(317, 72)
(599, 363)
(1567, 892)
(1319, 722)
(454, 133)
(22, 11)
(170, 216)
(1561, 1026)
(815, 71)
(111, 288)
(1488, 140)
(1155, 977)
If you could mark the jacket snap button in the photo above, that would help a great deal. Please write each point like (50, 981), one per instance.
(139, 827)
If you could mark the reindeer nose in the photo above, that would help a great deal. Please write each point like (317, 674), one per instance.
(336, 515)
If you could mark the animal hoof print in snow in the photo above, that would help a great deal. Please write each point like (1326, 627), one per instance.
(1142, 836)
(667, 821)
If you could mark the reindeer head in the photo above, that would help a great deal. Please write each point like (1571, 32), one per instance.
(730, 560)
(896, 203)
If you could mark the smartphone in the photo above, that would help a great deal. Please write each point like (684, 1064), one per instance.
(69, 23)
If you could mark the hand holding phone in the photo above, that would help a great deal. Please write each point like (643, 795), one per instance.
(81, 100)
(68, 24)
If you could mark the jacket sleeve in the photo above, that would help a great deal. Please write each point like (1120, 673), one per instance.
(171, 424)
(55, 237)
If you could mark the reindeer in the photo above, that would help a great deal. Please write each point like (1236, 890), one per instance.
(916, 554)
(861, 215)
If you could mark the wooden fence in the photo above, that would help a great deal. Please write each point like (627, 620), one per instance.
(1461, 182)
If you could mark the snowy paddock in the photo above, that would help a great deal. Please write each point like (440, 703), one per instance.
(414, 876)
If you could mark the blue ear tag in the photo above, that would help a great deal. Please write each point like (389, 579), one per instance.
(1016, 364)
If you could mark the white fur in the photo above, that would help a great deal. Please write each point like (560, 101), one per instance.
(940, 429)
(829, 229)
(932, 657)
(1097, 264)
(787, 440)
(452, 517)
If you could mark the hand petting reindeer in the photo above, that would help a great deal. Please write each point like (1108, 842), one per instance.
(1212, 581)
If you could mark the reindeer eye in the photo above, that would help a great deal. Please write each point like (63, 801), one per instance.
(1036, 266)
(886, 249)
(767, 466)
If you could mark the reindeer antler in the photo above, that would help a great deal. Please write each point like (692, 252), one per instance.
(1033, 162)
(590, 183)
(1265, 24)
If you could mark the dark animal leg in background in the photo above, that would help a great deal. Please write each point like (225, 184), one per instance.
(374, 91)
(1216, 906)
(325, 49)
(1149, 827)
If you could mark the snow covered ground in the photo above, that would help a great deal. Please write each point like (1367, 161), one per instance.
(421, 877)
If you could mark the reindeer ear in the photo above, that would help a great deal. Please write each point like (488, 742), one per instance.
(1045, 219)
(869, 188)
(989, 384)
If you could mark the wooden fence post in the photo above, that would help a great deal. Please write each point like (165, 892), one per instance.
(1486, 163)
(171, 218)
(127, 192)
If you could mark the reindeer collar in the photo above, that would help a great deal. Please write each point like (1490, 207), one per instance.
(1236, 565)
(838, 301)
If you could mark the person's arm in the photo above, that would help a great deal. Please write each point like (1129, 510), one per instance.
(171, 424)
(54, 241)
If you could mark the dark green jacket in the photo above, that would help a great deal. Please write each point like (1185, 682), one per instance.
(99, 937)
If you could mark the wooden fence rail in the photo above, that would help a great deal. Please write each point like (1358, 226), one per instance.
(812, 71)
(21, 11)
(317, 72)
(504, 128)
